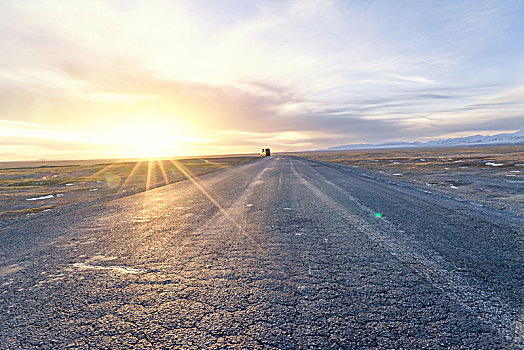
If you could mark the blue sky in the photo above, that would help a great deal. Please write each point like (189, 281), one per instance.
(112, 79)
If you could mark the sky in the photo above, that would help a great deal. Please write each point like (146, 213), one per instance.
(112, 79)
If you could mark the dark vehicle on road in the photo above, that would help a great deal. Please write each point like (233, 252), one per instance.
(266, 152)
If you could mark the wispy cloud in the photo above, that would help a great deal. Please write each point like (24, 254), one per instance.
(414, 79)
(20, 123)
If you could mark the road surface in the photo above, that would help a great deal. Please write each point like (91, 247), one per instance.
(279, 253)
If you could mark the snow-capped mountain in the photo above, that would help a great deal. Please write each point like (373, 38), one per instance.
(506, 138)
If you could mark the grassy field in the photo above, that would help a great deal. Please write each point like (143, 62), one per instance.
(492, 175)
(26, 190)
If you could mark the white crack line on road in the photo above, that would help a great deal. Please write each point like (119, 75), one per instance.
(88, 265)
(7, 270)
(122, 269)
(464, 291)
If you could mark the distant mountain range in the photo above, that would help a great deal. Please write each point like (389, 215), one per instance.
(507, 138)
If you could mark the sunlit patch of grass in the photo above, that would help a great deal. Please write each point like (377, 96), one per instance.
(47, 182)
(9, 214)
(35, 183)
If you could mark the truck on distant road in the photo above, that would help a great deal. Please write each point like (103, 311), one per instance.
(266, 152)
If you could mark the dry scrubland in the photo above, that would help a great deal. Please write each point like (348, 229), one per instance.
(487, 175)
(26, 189)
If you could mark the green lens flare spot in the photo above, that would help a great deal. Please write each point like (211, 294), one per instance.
(378, 215)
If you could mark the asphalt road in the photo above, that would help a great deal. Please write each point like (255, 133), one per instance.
(288, 253)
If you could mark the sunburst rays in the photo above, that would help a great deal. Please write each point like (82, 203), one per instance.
(164, 175)
(150, 180)
(129, 177)
(150, 167)
(195, 182)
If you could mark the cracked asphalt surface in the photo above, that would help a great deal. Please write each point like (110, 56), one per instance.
(295, 258)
